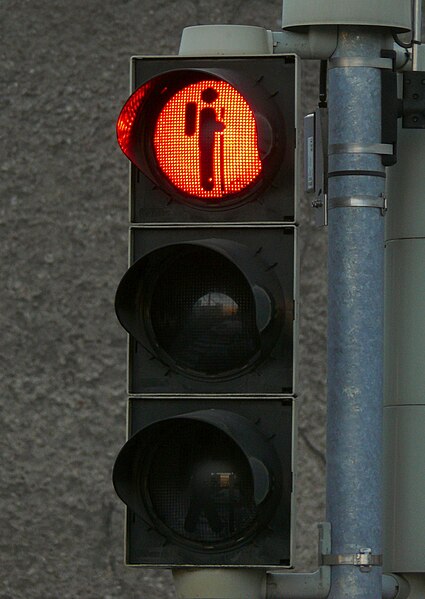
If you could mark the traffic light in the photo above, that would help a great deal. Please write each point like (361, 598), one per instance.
(210, 305)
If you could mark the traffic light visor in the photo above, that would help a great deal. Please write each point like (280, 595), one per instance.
(207, 308)
(206, 478)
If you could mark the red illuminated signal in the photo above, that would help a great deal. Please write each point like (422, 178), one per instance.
(197, 135)
(206, 140)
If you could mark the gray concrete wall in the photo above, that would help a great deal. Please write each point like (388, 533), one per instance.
(63, 231)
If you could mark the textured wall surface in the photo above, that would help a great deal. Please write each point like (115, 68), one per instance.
(63, 231)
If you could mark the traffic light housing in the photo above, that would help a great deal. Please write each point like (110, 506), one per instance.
(210, 305)
(203, 483)
(265, 97)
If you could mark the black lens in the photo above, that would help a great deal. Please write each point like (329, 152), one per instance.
(200, 484)
(203, 313)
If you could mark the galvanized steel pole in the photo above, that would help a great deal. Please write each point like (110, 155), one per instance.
(355, 312)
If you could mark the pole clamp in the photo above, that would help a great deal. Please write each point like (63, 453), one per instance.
(359, 201)
(383, 149)
(364, 559)
(361, 61)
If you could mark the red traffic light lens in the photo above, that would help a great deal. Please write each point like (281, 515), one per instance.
(206, 140)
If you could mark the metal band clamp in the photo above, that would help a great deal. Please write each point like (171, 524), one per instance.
(359, 201)
(386, 149)
(364, 559)
(361, 61)
(356, 173)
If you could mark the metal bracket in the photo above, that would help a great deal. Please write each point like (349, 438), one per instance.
(317, 585)
(316, 162)
(314, 585)
(364, 559)
(360, 61)
(413, 107)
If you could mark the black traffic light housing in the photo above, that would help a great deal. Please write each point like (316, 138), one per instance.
(272, 95)
(211, 307)
(226, 296)
(207, 481)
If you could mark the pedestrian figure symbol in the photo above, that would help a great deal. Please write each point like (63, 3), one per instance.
(209, 126)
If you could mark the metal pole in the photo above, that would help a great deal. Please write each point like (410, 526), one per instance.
(355, 313)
